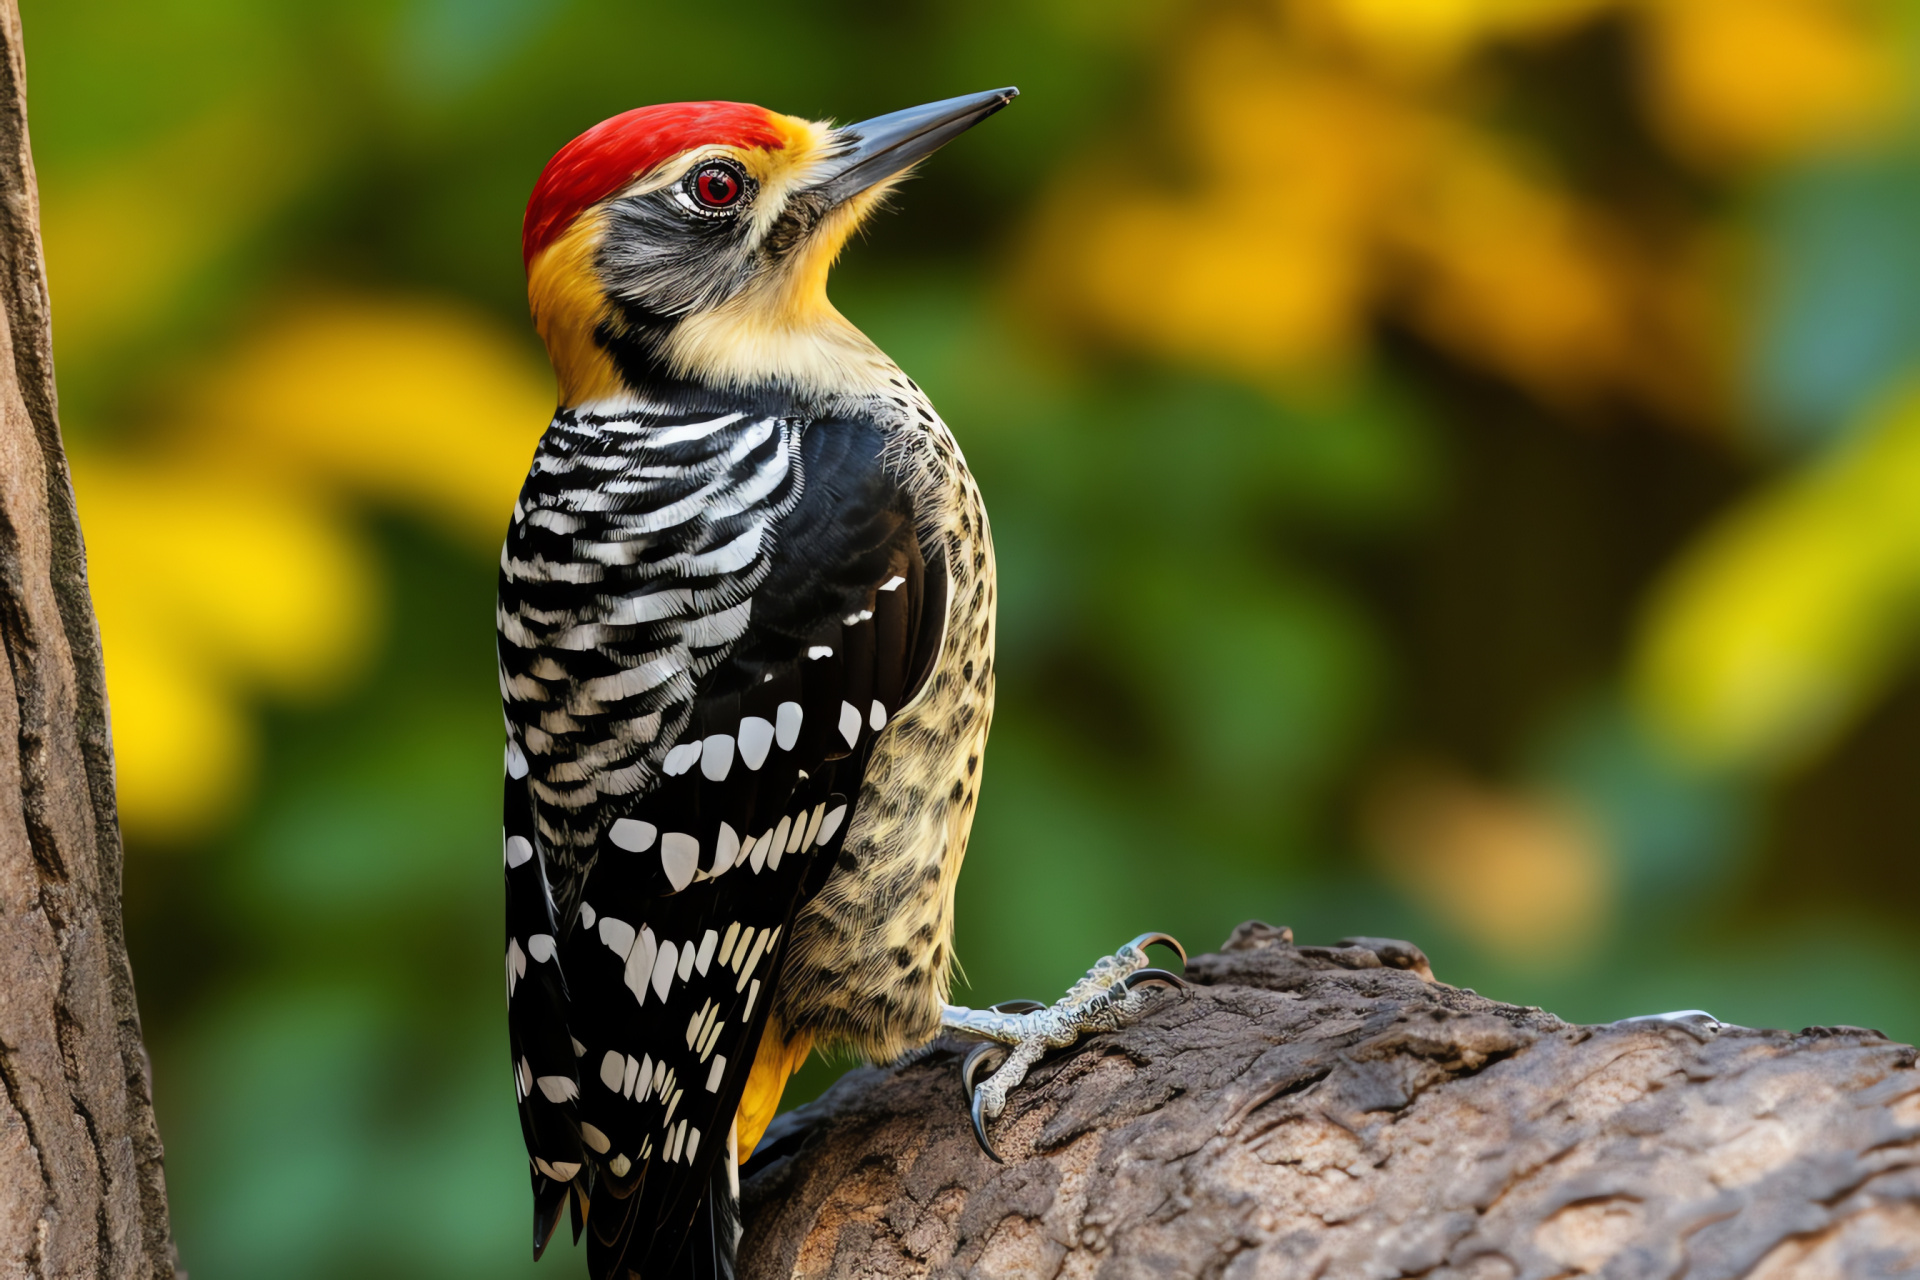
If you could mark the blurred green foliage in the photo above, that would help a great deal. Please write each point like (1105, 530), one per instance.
(1391, 415)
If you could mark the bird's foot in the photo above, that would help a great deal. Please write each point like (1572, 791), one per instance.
(1015, 1034)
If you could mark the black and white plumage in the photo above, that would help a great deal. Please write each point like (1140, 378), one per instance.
(704, 620)
(745, 636)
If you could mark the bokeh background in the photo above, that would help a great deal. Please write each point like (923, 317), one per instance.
(1455, 466)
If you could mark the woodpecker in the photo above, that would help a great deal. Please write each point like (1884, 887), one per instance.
(745, 635)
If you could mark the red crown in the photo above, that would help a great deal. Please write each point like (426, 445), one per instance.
(614, 152)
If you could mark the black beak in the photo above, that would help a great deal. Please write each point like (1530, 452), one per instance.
(884, 145)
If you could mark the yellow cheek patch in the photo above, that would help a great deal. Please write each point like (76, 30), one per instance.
(569, 305)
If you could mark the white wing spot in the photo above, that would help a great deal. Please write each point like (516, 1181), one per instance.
(820, 651)
(681, 759)
(726, 849)
(640, 964)
(753, 960)
(835, 817)
(686, 962)
(799, 836)
(716, 757)
(618, 1166)
(663, 969)
(694, 1023)
(753, 993)
(787, 721)
(613, 1070)
(893, 583)
(876, 716)
(516, 965)
(518, 851)
(632, 834)
(516, 761)
(679, 858)
(558, 1088)
(586, 915)
(595, 1139)
(778, 845)
(850, 723)
(617, 934)
(716, 1073)
(756, 735)
(813, 825)
(705, 956)
(540, 947)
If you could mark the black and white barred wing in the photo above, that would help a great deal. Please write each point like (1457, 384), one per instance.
(536, 1016)
(691, 881)
(626, 575)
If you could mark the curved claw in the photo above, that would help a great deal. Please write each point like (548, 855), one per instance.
(1155, 978)
(1146, 940)
(971, 1064)
(980, 1130)
(1018, 1006)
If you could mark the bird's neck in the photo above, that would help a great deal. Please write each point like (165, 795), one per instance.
(779, 337)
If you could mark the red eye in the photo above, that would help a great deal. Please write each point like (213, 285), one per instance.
(717, 186)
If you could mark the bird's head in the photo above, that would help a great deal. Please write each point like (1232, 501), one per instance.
(691, 242)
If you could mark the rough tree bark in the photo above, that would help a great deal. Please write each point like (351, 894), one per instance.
(81, 1188)
(1333, 1111)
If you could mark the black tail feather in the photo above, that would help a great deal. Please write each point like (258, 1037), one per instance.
(610, 1235)
(548, 1197)
(707, 1253)
(714, 1241)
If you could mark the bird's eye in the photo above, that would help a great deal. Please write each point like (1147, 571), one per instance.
(718, 186)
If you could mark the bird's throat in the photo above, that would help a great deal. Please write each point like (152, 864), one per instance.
(780, 332)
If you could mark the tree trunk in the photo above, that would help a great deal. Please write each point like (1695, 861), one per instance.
(81, 1187)
(1313, 1111)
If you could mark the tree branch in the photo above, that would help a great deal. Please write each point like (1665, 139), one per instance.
(81, 1186)
(1314, 1111)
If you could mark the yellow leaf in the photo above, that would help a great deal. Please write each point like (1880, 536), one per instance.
(1742, 80)
(1791, 613)
(425, 405)
(1431, 35)
(184, 747)
(210, 586)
